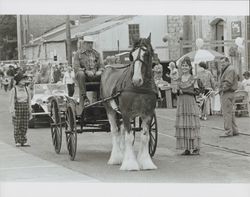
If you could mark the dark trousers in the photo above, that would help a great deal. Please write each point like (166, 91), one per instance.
(227, 101)
(82, 78)
(71, 89)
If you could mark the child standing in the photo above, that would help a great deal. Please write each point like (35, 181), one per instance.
(69, 79)
(174, 75)
(20, 109)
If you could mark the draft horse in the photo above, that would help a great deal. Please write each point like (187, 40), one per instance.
(136, 92)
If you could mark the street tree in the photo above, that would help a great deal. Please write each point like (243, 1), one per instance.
(8, 35)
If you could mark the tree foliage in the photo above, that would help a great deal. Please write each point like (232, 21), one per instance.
(8, 31)
(8, 25)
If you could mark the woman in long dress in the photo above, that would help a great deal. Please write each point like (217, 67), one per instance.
(187, 115)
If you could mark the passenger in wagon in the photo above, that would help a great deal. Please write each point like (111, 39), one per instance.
(88, 67)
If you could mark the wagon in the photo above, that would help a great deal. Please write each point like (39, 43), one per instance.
(92, 118)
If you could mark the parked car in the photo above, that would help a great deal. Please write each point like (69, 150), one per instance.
(41, 101)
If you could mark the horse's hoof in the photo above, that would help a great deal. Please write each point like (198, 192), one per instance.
(116, 156)
(115, 161)
(130, 165)
(147, 165)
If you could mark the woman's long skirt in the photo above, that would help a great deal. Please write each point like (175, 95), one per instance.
(20, 122)
(187, 123)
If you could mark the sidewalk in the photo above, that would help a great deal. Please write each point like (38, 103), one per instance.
(211, 130)
(213, 122)
(18, 166)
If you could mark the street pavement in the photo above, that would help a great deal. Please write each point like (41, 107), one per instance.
(222, 160)
(17, 165)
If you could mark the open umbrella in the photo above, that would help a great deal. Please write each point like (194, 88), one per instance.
(201, 55)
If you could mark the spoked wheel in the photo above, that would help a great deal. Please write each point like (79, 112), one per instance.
(71, 133)
(153, 136)
(56, 126)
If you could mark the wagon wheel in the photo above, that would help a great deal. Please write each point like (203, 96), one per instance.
(56, 126)
(153, 136)
(71, 133)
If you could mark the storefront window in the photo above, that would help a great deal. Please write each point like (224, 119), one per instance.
(133, 31)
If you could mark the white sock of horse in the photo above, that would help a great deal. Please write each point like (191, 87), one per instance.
(116, 156)
(144, 159)
(129, 161)
(122, 139)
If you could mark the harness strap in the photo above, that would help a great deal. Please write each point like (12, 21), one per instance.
(139, 91)
(28, 96)
(15, 97)
(115, 67)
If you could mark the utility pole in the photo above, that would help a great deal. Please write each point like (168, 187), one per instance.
(247, 42)
(118, 46)
(68, 41)
(19, 39)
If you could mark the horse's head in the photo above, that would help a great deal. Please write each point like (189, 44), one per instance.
(141, 57)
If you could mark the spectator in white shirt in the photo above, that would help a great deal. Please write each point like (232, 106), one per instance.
(69, 79)
(246, 81)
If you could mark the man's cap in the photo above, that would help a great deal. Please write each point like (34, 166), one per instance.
(88, 39)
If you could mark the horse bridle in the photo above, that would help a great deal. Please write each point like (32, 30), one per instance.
(138, 55)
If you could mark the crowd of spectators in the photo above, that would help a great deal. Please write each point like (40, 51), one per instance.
(38, 73)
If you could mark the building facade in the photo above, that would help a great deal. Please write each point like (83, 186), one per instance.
(113, 34)
(220, 32)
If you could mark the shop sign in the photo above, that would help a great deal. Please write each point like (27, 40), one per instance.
(236, 29)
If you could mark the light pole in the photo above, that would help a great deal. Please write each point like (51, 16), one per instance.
(240, 44)
(68, 41)
(19, 39)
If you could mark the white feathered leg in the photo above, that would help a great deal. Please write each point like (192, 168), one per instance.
(116, 156)
(143, 157)
(129, 162)
(122, 138)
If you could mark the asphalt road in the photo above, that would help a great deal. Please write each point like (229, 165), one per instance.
(220, 161)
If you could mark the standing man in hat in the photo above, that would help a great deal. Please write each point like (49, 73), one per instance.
(20, 108)
(88, 67)
(228, 85)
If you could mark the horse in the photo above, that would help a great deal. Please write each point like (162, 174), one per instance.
(135, 95)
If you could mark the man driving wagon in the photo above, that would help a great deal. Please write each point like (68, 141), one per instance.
(88, 67)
